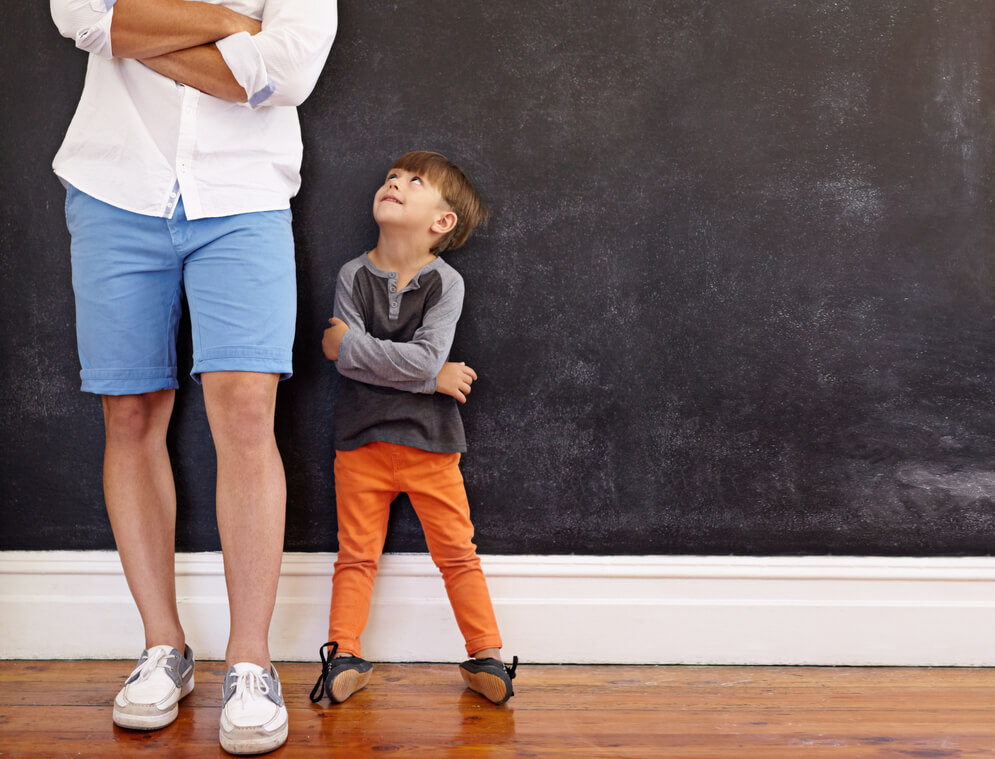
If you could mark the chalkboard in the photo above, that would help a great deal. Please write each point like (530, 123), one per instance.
(736, 296)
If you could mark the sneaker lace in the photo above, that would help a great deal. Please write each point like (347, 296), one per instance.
(249, 684)
(326, 663)
(156, 659)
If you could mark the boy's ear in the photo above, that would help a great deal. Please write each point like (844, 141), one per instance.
(445, 223)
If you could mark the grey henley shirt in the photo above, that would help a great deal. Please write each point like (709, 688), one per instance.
(389, 358)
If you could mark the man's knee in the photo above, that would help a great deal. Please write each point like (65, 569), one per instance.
(137, 418)
(240, 404)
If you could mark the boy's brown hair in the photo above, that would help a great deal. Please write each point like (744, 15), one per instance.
(455, 188)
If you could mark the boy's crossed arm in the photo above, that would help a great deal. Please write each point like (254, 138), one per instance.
(417, 366)
(454, 378)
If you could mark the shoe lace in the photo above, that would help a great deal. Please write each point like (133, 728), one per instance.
(250, 683)
(156, 659)
(326, 663)
(511, 670)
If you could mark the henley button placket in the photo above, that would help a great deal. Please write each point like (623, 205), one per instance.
(392, 289)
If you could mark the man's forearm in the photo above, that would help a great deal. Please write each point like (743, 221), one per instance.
(200, 67)
(149, 28)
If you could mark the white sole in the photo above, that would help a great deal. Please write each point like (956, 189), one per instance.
(250, 746)
(152, 721)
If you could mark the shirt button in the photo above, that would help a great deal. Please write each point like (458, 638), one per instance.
(393, 288)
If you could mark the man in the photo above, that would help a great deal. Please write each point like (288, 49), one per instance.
(179, 164)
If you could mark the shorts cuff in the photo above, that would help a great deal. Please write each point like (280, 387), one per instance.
(264, 360)
(128, 381)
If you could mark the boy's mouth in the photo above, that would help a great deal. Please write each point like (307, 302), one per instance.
(392, 199)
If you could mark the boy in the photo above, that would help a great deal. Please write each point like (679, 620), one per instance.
(398, 428)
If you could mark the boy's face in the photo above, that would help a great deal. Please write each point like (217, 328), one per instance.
(409, 200)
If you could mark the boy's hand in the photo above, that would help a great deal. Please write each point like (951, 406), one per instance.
(455, 379)
(333, 338)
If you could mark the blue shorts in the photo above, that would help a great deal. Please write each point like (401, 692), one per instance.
(129, 275)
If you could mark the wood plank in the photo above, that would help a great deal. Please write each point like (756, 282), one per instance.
(55, 709)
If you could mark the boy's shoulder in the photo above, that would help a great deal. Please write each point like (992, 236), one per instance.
(447, 272)
(350, 267)
(441, 278)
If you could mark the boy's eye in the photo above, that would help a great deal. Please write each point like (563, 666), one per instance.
(416, 180)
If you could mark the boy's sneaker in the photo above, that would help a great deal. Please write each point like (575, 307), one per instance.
(253, 716)
(151, 693)
(340, 677)
(490, 678)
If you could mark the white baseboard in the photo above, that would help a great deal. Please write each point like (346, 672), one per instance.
(551, 609)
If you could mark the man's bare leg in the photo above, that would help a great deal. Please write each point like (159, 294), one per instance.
(251, 504)
(141, 503)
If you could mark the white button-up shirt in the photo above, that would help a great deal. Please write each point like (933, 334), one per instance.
(139, 140)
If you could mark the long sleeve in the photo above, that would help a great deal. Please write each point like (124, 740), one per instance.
(88, 22)
(411, 365)
(281, 64)
(369, 378)
(420, 359)
(396, 341)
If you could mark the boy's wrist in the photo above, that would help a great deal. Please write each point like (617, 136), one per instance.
(342, 349)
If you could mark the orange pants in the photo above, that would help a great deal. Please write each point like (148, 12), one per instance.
(367, 480)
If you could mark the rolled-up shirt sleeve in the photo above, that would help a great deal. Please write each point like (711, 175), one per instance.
(88, 22)
(281, 64)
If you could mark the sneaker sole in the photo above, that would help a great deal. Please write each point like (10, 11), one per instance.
(491, 687)
(348, 683)
(251, 746)
(151, 721)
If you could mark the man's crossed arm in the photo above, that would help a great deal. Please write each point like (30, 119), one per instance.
(176, 38)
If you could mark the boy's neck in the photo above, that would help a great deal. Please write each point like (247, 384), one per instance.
(401, 253)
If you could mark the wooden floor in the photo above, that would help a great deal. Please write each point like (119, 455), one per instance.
(63, 709)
